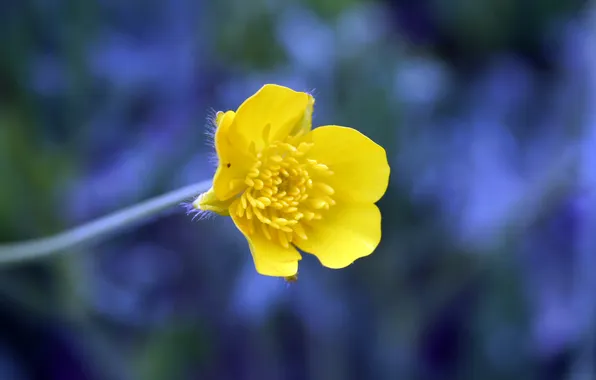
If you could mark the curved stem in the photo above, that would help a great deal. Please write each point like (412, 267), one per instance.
(19, 252)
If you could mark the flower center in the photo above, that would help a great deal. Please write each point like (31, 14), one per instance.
(285, 192)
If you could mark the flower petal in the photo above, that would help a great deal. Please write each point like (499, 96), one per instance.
(271, 114)
(270, 257)
(305, 124)
(347, 232)
(360, 167)
(266, 262)
(223, 120)
(233, 163)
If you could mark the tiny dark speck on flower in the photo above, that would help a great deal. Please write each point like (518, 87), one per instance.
(228, 165)
(291, 279)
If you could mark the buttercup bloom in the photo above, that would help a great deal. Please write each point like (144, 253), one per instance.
(287, 186)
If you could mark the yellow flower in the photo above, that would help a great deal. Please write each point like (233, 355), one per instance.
(287, 186)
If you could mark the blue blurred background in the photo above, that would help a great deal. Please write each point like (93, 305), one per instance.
(485, 268)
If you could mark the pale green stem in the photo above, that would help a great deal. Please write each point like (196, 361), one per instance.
(19, 252)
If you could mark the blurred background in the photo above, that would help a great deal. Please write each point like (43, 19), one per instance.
(486, 266)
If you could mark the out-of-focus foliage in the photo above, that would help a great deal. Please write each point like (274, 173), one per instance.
(105, 103)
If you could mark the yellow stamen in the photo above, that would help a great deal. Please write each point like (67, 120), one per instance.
(282, 196)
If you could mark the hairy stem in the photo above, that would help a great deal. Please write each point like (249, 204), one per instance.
(14, 253)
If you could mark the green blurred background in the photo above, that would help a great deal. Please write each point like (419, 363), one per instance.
(485, 267)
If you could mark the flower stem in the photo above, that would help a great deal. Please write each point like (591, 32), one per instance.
(19, 252)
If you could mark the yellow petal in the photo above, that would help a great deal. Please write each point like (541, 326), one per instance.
(223, 120)
(271, 114)
(228, 180)
(268, 265)
(209, 202)
(346, 233)
(360, 167)
(270, 258)
(233, 163)
(305, 124)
